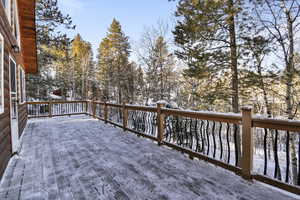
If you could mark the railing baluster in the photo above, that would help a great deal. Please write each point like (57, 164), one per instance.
(228, 142)
(265, 152)
(197, 136)
(221, 143)
(214, 139)
(181, 128)
(235, 129)
(207, 134)
(298, 158)
(202, 137)
(177, 130)
(125, 117)
(277, 168)
(287, 149)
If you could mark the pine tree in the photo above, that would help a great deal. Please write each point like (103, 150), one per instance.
(48, 19)
(209, 35)
(114, 67)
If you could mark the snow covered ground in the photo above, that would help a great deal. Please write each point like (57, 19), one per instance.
(82, 158)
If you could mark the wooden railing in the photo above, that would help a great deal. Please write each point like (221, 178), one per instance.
(236, 142)
(56, 108)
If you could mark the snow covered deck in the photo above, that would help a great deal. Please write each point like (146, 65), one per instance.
(82, 158)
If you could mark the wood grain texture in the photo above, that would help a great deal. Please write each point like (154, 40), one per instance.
(22, 117)
(5, 128)
(28, 34)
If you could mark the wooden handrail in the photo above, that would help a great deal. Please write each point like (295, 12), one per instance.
(114, 105)
(220, 117)
(54, 102)
(279, 124)
(141, 108)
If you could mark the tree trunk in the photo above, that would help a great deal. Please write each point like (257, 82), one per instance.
(233, 59)
(289, 85)
(234, 71)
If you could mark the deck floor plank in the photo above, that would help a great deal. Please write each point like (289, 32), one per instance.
(80, 158)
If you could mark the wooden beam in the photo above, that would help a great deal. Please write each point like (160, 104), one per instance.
(247, 141)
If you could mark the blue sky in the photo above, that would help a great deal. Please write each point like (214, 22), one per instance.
(93, 17)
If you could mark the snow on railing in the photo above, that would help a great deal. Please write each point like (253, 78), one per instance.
(232, 141)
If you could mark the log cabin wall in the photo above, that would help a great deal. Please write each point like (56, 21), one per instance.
(5, 129)
(5, 123)
(22, 112)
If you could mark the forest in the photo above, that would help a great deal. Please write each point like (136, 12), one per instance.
(222, 55)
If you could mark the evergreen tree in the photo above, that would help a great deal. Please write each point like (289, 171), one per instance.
(209, 35)
(114, 67)
(48, 19)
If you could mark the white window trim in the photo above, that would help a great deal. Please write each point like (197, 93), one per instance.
(5, 6)
(22, 82)
(2, 75)
(17, 23)
(8, 9)
(2, 3)
(16, 80)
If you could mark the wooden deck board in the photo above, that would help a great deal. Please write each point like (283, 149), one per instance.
(82, 158)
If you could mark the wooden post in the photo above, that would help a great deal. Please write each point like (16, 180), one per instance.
(105, 113)
(247, 143)
(125, 116)
(86, 107)
(160, 123)
(50, 108)
(93, 109)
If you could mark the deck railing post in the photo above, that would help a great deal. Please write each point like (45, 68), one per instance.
(160, 123)
(125, 116)
(86, 107)
(93, 109)
(105, 112)
(50, 108)
(247, 143)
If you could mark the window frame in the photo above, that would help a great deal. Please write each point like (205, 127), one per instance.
(11, 58)
(7, 9)
(16, 22)
(2, 75)
(4, 6)
(11, 10)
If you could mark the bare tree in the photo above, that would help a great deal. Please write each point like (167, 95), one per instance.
(158, 63)
(280, 18)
